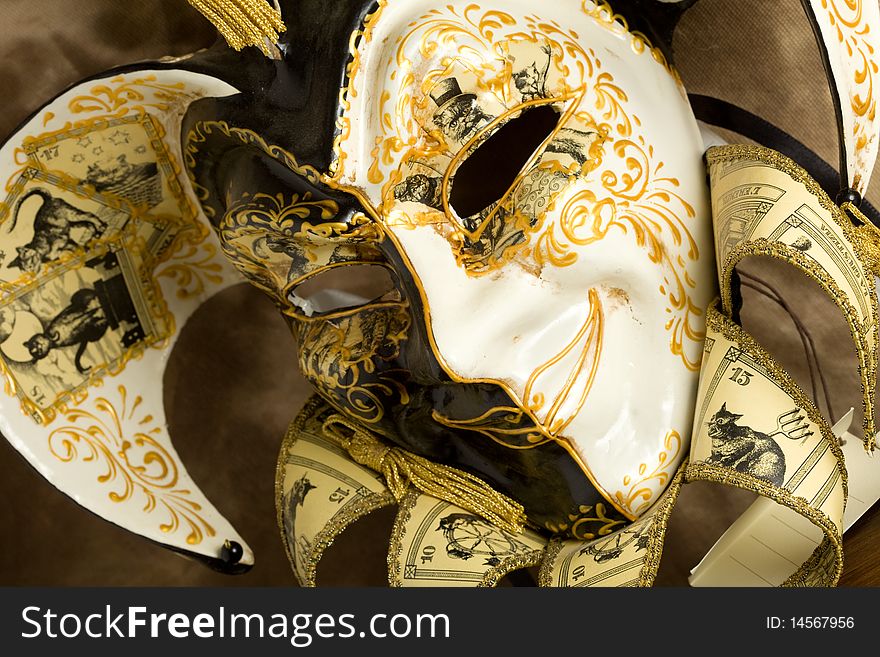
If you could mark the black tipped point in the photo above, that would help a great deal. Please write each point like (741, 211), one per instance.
(231, 552)
(849, 195)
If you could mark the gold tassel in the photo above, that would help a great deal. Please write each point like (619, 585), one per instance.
(402, 468)
(243, 22)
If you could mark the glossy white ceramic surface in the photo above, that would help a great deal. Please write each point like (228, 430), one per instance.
(593, 321)
(127, 230)
(850, 31)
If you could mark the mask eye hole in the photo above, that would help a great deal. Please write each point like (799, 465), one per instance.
(342, 288)
(486, 175)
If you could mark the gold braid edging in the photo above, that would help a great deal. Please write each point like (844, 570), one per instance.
(657, 532)
(725, 326)
(729, 477)
(857, 238)
(338, 524)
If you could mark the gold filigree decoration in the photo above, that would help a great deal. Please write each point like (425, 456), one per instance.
(588, 523)
(203, 130)
(193, 269)
(124, 96)
(337, 353)
(638, 494)
(347, 92)
(853, 32)
(635, 195)
(263, 234)
(125, 442)
(848, 21)
(509, 426)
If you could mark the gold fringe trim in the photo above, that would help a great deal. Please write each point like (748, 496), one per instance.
(402, 468)
(243, 22)
(868, 236)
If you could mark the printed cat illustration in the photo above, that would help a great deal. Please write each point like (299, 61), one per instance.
(530, 81)
(58, 227)
(295, 498)
(83, 321)
(744, 449)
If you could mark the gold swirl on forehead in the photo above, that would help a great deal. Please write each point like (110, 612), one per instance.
(487, 26)
(605, 16)
(638, 196)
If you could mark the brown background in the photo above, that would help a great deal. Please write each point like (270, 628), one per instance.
(232, 386)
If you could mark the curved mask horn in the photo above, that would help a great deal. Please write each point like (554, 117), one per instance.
(106, 254)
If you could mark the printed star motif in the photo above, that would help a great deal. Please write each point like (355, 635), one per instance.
(140, 150)
(77, 158)
(118, 138)
(97, 150)
(82, 142)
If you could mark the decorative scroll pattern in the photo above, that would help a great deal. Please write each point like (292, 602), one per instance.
(125, 446)
(850, 30)
(415, 156)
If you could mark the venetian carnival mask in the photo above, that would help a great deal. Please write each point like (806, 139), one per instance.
(486, 224)
(540, 214)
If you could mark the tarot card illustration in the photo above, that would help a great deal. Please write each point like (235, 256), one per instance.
(122, 163)
(84, 319)
(49, 223)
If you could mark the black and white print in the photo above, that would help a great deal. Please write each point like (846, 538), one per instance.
(463, 115)
(47, 223)
(469, 536)
(614, 546)
(744, 449)
(79, 322)
(124, 164)
(293, 500)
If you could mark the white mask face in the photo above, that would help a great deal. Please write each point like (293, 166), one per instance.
(540, 173)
